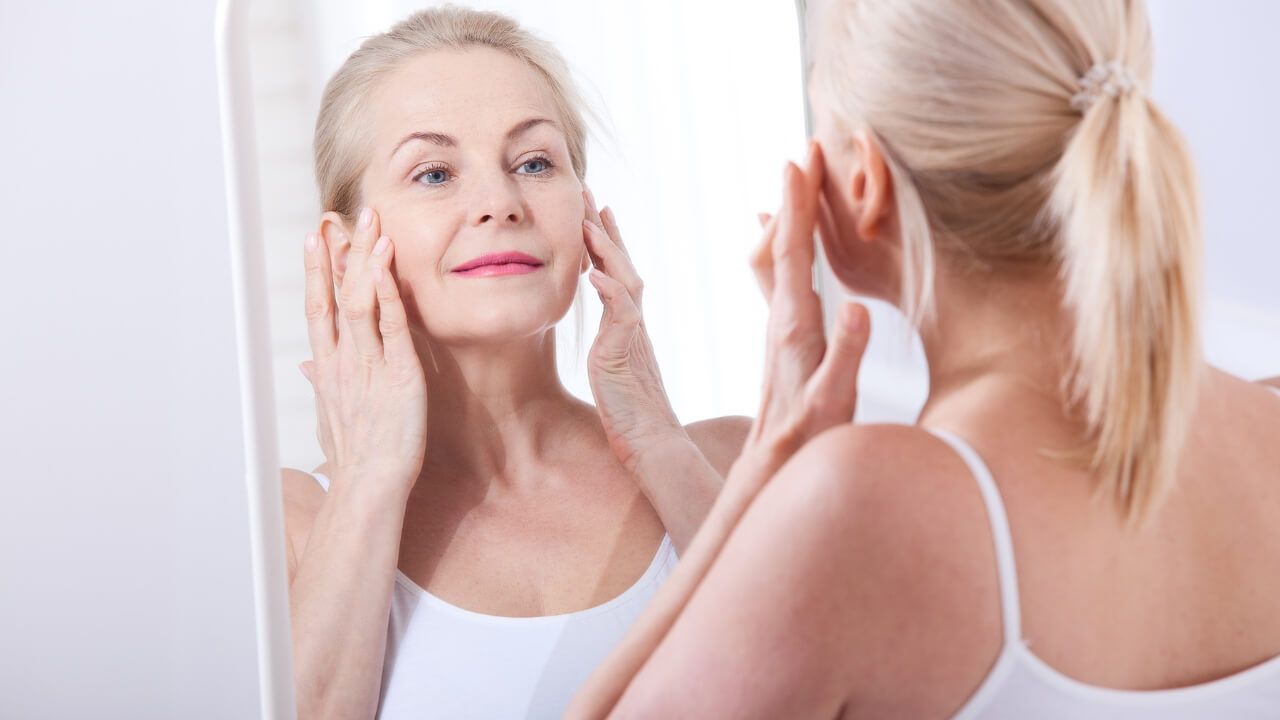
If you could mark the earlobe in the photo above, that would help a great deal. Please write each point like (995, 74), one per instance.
(337, 237)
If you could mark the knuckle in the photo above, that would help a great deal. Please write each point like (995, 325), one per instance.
(388, 326)
(356, 311)
(317, 308)
(789, 331)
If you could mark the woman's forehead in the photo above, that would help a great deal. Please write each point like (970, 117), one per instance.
(476, 92)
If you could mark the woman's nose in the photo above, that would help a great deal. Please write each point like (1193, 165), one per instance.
(498, 200)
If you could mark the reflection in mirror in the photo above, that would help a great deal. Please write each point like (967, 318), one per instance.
(474, 516)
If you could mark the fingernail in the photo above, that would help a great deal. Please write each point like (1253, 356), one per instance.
(381, 246)
(312, 243)
(366, 217)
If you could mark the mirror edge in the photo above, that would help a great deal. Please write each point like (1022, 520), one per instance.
(253, 340)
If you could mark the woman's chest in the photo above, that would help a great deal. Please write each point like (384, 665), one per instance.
(537, 560)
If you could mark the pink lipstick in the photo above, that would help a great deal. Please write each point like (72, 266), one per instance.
(503, 263)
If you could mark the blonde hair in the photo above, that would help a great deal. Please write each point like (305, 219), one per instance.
(994, 164)
(343, 143)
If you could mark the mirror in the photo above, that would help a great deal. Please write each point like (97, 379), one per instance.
(697, 115)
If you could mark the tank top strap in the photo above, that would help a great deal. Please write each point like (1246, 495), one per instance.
(1010, 607)
(320, 478)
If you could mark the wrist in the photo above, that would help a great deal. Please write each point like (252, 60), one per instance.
(369, 489)
(663, 454)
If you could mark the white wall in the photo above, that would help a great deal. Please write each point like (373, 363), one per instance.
(124, 547)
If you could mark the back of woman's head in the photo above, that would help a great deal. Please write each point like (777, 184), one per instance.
(342, 143)
(1017, 133)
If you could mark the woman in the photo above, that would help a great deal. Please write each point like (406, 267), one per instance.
(485, 537)
(1082, 524)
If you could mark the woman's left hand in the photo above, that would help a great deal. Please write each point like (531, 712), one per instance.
(637, 416)
(638, 421)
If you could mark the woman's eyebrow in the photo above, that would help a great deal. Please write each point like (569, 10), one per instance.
(443, 140)
(434, 138)
(527, 125)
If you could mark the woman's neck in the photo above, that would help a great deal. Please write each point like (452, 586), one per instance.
(493, 409)
(1010, 325)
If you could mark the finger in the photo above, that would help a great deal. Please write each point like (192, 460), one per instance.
(360, 307)
(833, 389)
(816, 168)
(362, 241)
(793, 250)
(621, 316)
(590, 215)
(611, 227)
(613, 261)
(762, 258)
(764, 218)
(319, 303)
(393, 323)
(593, 214)
(308, 369)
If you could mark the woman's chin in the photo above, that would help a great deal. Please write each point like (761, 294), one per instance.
(497, 330)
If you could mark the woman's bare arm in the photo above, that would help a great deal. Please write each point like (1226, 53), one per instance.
(371, 412)
(340, 599)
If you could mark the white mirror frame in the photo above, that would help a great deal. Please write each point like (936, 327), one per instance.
(257, 391)
(253, 340)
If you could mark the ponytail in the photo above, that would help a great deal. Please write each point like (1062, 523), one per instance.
(1124, 198)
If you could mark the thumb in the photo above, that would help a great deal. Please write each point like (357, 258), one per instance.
(835, 383)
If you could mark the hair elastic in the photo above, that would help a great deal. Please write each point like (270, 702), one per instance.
(1110, 78)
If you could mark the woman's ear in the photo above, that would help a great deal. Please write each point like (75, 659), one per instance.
(871, 187)
(337, 236)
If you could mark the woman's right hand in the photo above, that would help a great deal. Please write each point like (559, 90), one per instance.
(371, 397)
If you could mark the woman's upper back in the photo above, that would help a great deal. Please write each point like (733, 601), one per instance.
(1101, 611)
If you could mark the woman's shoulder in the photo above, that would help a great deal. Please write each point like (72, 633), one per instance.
(884, 528)
(903, 506)
(302, 497)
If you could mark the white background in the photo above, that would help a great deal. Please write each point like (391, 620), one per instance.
(123, 521)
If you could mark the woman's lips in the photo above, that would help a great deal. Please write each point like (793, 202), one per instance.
(506, 263)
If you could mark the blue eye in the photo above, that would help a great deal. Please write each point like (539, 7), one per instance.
(434, 176)
(535, 166)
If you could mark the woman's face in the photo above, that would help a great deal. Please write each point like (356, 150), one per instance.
(469, 160)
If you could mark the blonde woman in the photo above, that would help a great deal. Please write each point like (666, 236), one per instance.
(1083, 524)
(477, 539)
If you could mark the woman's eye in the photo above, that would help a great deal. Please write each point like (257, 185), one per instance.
(433, 176)
(536, 166)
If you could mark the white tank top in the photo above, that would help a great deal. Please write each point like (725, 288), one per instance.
(446, 662)
(1021, 685)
